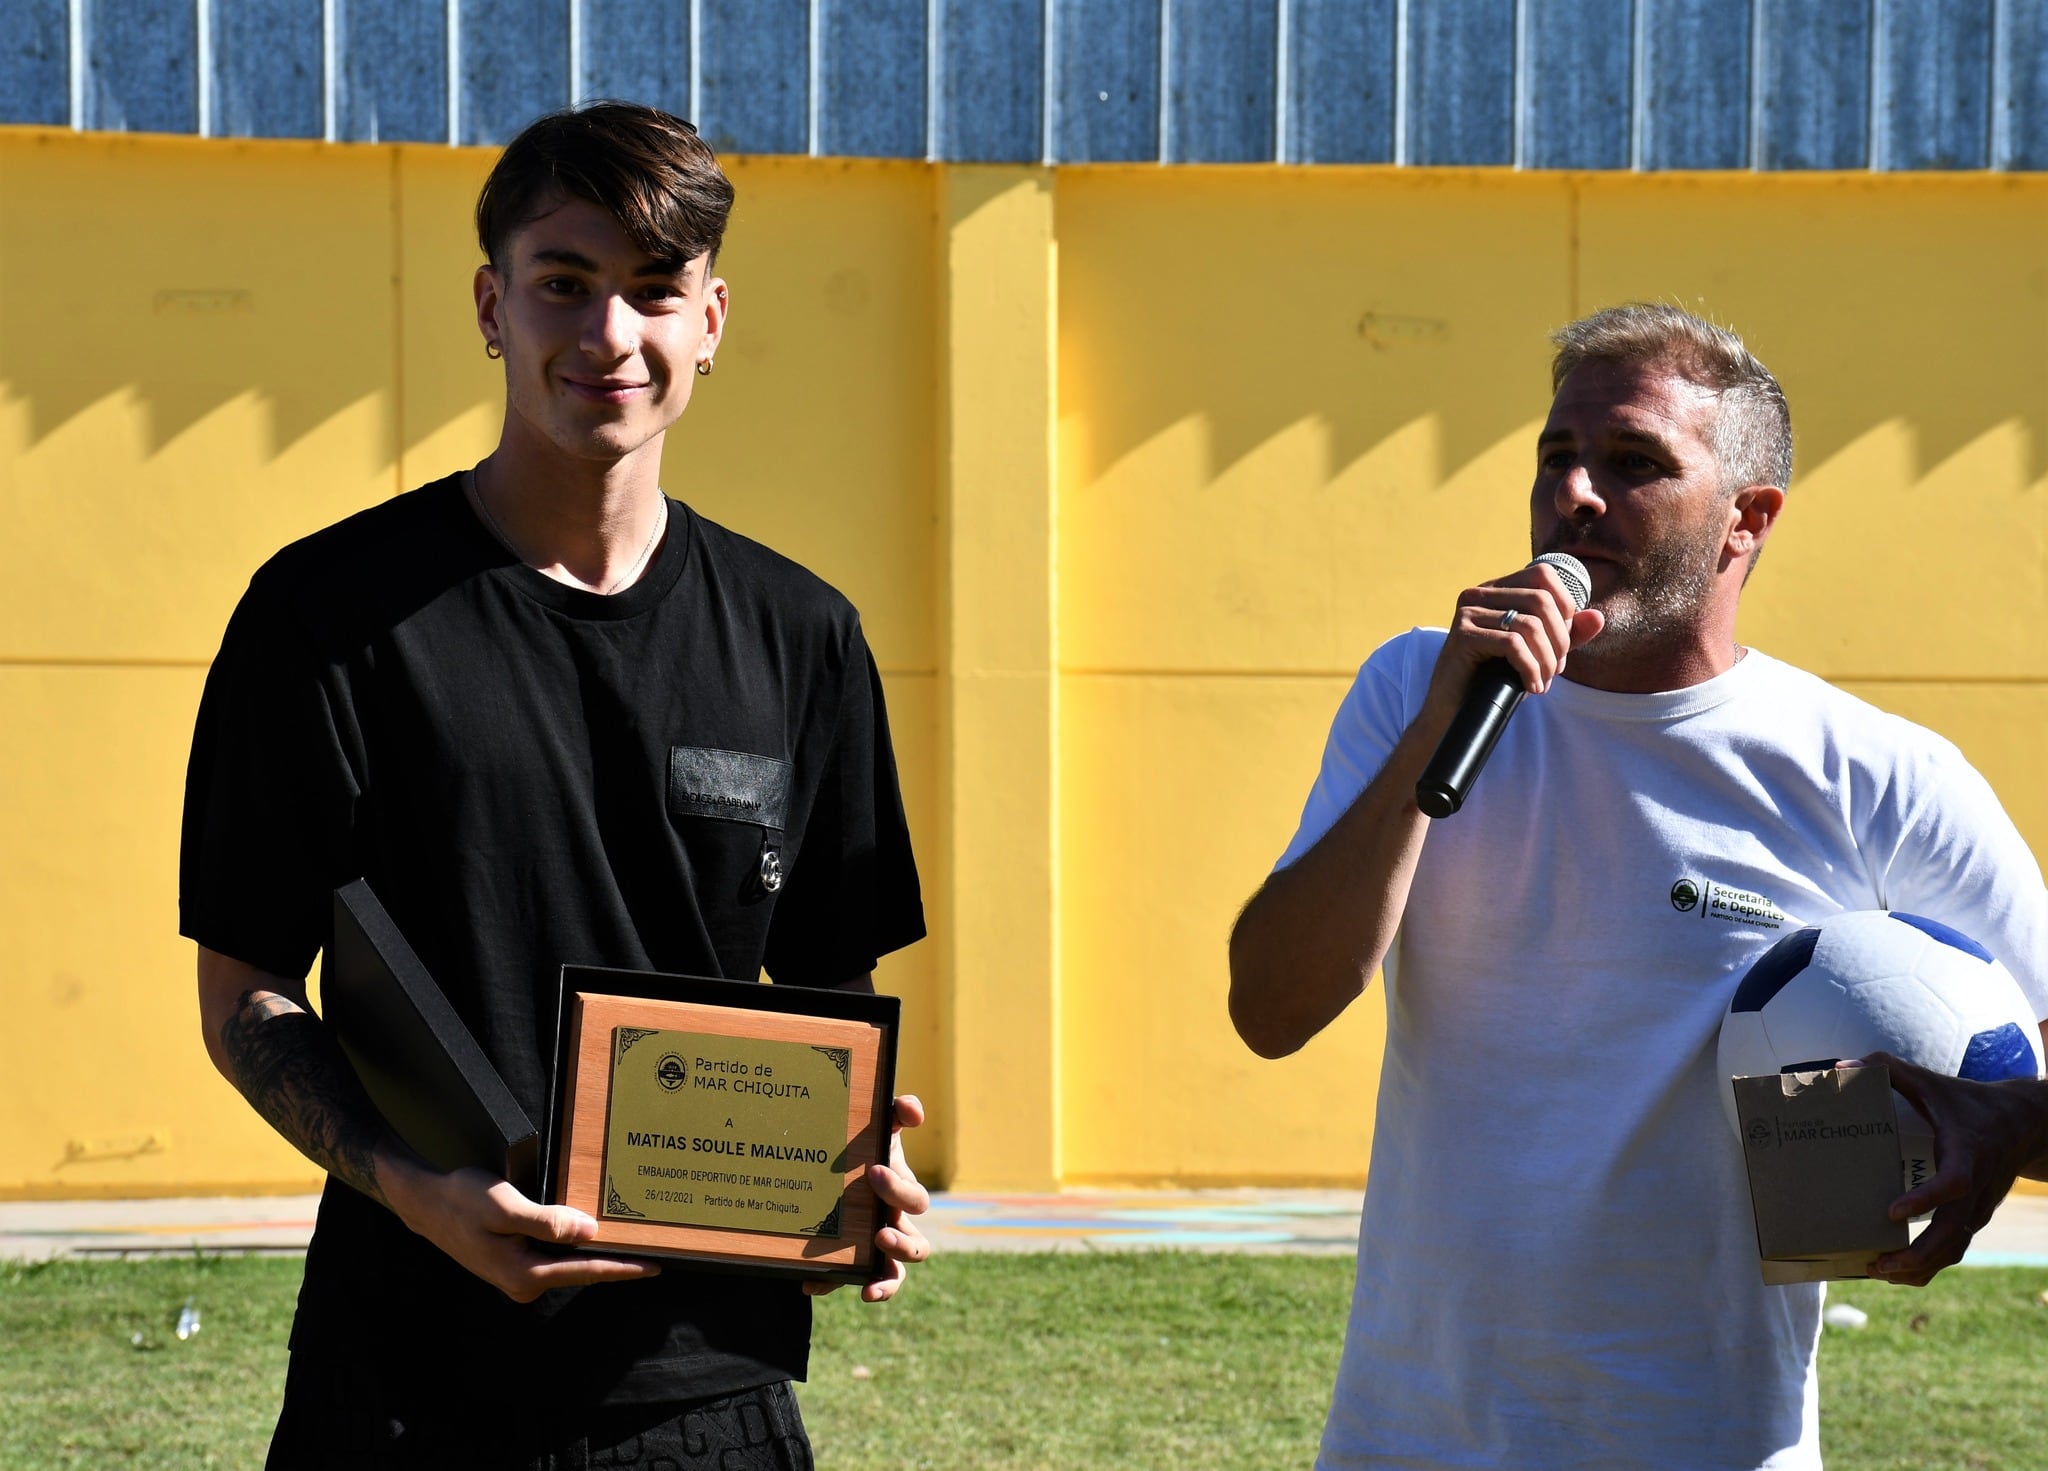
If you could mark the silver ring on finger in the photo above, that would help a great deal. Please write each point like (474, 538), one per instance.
(1507, 619)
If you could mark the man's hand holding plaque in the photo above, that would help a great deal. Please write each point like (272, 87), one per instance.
(495, 1232)
(898, 1243)
(726, 1123)
(737, 1125)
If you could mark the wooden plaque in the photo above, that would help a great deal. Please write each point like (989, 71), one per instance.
(725, 1123)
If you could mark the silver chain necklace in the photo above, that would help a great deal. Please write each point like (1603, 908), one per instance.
(476, 495)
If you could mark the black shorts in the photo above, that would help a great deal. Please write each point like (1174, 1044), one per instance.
(325, 1427)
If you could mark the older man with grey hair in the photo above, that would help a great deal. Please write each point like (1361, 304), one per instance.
(1557, 1265)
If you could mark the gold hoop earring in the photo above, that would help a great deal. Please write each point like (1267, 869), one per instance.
(493, 351)
(704, 367)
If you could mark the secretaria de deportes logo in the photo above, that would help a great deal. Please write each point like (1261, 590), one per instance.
(1726, 903)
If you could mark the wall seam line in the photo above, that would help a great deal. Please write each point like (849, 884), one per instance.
(1163, 672)
(1056, 829)
(1573, 199)
(89, 661)
(398, 287)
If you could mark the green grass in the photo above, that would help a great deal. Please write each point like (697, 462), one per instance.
(1117, 1360)
(1945, 1376)
(1134, 1361)
(75, 1390)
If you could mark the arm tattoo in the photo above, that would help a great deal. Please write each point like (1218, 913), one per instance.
(289, 1067)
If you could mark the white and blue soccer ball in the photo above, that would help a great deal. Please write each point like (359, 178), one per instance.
(1870, 981)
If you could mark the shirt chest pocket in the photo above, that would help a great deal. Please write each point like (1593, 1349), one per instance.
(737, 787)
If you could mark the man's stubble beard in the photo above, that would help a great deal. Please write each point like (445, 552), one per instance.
(1657, 602)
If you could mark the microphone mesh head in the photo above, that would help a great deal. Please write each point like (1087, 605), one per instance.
(1572, 573)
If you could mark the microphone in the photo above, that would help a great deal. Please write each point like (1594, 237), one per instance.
(1490, 699)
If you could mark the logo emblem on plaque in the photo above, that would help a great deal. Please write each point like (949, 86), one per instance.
(670, 1072)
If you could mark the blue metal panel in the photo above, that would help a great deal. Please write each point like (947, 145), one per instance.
(1578, 92)
(1934, 74)
(2020, 126)
(1662, 84)
(515, 65)
(35, 63)
(871, 78)
(141, 66)
(267, 63)
(1105, 100)
(1461, 82)
(1815, 103)
(390, 71)
(1340, 81)
(754, 77)
(991, 81)
(1220, 57)
(637, 51)
(1696, 84)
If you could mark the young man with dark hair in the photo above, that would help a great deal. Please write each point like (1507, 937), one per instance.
(474, 696)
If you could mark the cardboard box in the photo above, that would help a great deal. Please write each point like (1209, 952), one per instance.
(1827, 1152)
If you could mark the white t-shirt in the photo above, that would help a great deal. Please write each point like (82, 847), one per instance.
(1557, 1266)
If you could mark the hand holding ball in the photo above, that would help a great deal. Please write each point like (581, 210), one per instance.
(1876, 981)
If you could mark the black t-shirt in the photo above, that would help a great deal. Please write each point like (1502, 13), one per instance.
(530, 775)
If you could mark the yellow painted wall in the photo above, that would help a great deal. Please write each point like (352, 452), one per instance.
(1127, 468)
(208, 349)
(1295, 406)
(1298, 412)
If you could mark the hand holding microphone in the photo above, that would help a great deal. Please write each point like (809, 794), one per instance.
(1496, 686)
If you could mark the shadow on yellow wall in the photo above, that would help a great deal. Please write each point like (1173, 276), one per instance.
(1298, 412)
(1372, 299)
(1127, 468)
(209, 349)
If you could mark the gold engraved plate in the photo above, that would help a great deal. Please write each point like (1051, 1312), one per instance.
(740, 1133)
(721, 1122)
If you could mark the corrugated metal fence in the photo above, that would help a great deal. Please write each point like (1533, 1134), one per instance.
(1583, 84)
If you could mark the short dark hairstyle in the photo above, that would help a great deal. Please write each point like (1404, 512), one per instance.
(646, 168)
